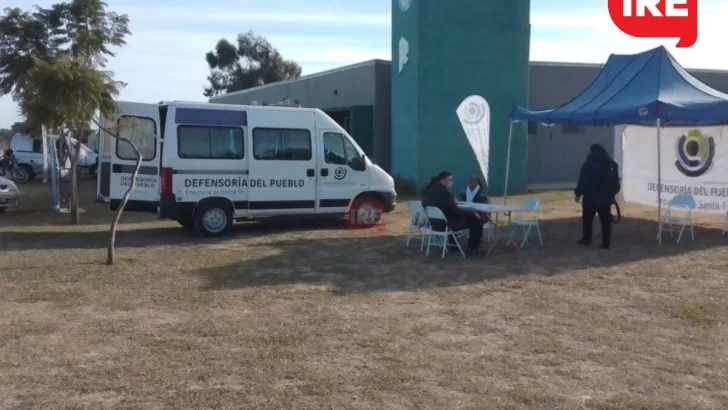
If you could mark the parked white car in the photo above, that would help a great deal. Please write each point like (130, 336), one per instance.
(29, 154)
(9, 194)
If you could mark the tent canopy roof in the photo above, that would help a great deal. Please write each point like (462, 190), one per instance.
(639, 89)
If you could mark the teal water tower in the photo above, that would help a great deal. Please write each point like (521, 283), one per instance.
(442, 52)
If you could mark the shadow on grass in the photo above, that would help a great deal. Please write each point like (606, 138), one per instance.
(135, 238)
(366, 264)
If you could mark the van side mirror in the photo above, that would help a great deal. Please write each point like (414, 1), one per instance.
(358, 163)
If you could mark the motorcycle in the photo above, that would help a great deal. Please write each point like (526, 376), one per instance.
(9, 168)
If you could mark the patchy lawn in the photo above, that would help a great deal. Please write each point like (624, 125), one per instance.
(316, 316)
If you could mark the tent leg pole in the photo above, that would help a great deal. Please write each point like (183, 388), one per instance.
(659, 183)
(508, 164)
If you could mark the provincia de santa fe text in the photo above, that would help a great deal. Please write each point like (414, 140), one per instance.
(694, 161)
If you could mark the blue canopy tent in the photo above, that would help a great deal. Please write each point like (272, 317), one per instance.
(648, 88)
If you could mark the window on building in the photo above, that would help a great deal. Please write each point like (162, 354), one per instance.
(142, 132)
(532, 128)
(572, 129)
(206, 142)
(277, 144)
(340, 151)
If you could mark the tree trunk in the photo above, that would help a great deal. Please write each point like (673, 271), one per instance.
(75, 213)
(111, 250)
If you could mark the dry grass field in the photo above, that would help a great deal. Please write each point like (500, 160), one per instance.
(314, 316)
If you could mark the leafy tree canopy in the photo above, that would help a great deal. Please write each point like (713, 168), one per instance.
(66, 93)
(253, 62)
(83, 29)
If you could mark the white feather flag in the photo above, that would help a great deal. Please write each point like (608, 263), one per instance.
(474, 115)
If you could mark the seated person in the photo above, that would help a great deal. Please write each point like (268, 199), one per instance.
(437, 194)
(475, 192)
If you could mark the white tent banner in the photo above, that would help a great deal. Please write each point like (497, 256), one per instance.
(474, 115)
(694, 161)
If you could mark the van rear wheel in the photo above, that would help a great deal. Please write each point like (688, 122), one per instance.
(213, 219)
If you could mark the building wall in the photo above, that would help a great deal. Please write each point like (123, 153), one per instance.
(357, 89)
(344, 87)
(383, 116)
(555, 154)
(482, 50)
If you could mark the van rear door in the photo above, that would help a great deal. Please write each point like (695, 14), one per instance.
(140, 123)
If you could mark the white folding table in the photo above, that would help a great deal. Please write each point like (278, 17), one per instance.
(500, 232)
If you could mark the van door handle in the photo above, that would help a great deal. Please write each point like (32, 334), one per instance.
(310, 172)
(324, 172)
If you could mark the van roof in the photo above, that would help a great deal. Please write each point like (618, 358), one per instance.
(198, 104)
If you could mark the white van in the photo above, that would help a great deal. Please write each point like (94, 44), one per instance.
(216, 163)
(29, 153)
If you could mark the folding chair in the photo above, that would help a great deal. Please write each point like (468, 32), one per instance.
(682, 202)
(441, 237)
(418, 223)
(531, 206)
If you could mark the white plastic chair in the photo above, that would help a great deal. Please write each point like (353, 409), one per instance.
(418, 223)
(441, 237)
(531, 206)
(684, 203)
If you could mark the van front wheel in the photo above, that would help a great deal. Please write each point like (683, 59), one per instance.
(364, 213)
(213, 219)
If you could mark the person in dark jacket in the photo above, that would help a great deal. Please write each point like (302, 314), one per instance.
(593, 192)
(437, 194)
(476, 192)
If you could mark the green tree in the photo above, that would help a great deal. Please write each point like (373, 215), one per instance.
(23, 128)
(51, 61)
(65, 95)
(253, 62)
(84, 29)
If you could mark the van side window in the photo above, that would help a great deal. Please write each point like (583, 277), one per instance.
(208, 142)
(38, 146)
(276, 144)
(142, 132)
(340, 151)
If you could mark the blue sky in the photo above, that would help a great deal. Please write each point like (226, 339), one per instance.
(164, 58)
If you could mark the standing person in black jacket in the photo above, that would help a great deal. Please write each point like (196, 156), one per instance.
(437, 194)
(593, 192)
